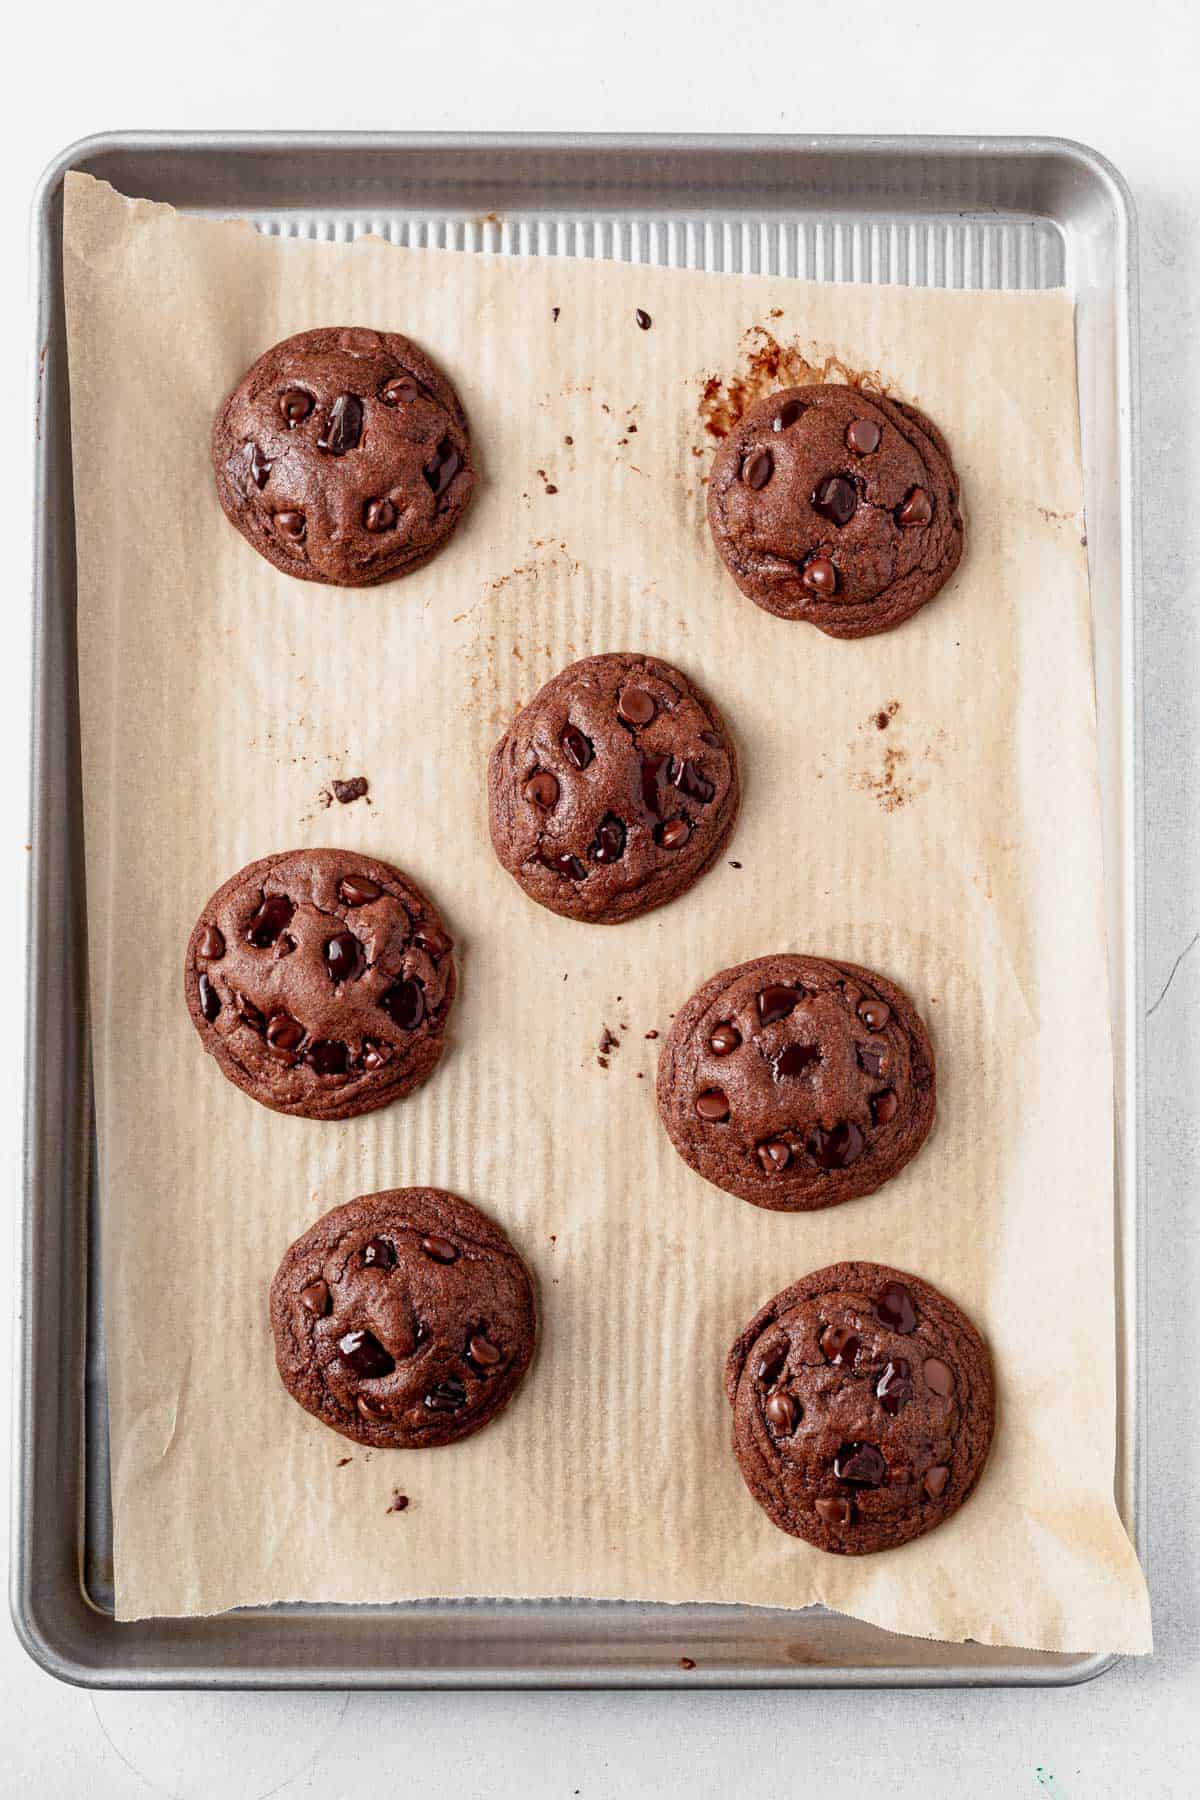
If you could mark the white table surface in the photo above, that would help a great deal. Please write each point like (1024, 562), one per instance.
(1119, 77)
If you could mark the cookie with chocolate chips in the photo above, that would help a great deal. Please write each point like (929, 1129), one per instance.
(613, 790)
(863, 1408)
(797, 1083)
(836, 507)
(321, 982)
(343, 456)
(403, 1320)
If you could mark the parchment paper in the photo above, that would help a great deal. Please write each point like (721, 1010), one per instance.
(958, 850)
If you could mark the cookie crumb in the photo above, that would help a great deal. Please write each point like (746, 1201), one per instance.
(568, 440)
(554, 312)
(735, 865)
(643, 318)
(356, 788)
(550, 488)
(608, 1041)
(399, 1502)
(343, 1460)
(687, 1662)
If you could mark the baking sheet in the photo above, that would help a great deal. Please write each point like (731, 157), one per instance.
(939, 850)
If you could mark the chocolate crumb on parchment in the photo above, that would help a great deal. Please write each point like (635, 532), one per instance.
(766, 364)
(355, 788)
(399, 1502)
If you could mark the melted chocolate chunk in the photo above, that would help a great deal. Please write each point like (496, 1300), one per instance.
(656, 776)
(444, 467)
(447, 1396)
(688, 779)
(835, 1149)
(440, 1249)
(404, 1004)
(775, 1155)
(344, 957)
(212, 944)
(861, 1464)
(863, 436)
(541, 790)
(884, 1106)
(284, 1033)
(874, 1014)
(787, 415)
(576, 748)
(939, 1376)
(712, 1105)
(249, 1013)
(608, 846)
(869, 1061)
(248, 469)
(380, 515)
(291, 523)
(771, 1367)
(563, 863)
(917, 509)
(895, 1309)
(272, 917)
(775, 1003)
(401, 390)
(343, 428)
(482, 1354)
(295, 405)
(783, 1413)
(315, 1298)
(643, 318)
(328, 1056)
(835, 499)
(758, 468)
(894, 1389)
(835, 1511)
(672, 834)
(840, 1345)
(210, 1000)
(364, 1355)
(820, 576)
(379, 1254)
(936, 1481)
(358, 890)
(724, 1040)
(794, 1059)
(433, 942)
(636, 706)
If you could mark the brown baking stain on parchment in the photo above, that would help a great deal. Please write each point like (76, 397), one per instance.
(895, 771)
(766, 365)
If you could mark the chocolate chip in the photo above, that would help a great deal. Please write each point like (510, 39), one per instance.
(874, 1014)
(447, 1396)
(783, 1413)
(210, 1000)
(249, 1013)
(283, 1032)
(379, 1254)
(401, 390)
(939, 1376)
(576, 748)
(936, 1480)
(835, 499)
(541, 790)
(863, 436)
(380, 515)
(433, 942)
(343, 427)
(795, 1059)
(562, 862)
(368, 1409)
(896, 1310)
(840, 1345)
(771, 1366)
(688, 779)
(862, 1464)
(787, 415)
(758, 468)
(835, 1512)
(643, 318)
(775, 1003)
(364, 1355)
(374, 1055)
(672, 833)
(291, 524)
(608, 845)
(274, 913)
(712, 1105)
(894, 1388)
(482, 1351)
(399, 1503)
(295, 405)
(212, 943)
(345, 792)
(869, 1061)
(917, 509)
(248, 468)
(774, 1156)
(439, 1248)
(444, 467)
(724, 1040)
(820, 576)
(344, 957)
(315, 1298)
(358, 890)
(835, 1149)
(884, 1106)
(636, 706)
(404, 1004)
(328, 1056)
(656, 774)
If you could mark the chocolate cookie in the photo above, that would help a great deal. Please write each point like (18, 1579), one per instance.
(321, 981)
(836, 507)
(403, 1319)
(613, 790)
(797, 1083)
(343, 456)
(862, 1407)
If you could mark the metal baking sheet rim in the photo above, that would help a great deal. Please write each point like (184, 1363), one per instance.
(55, 1618)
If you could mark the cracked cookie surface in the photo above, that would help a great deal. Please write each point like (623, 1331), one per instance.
(863, 1407)
(321, 982)
(614, 789)
(343, 456)
(836, 508)
(796, 1082)
(403, 1319)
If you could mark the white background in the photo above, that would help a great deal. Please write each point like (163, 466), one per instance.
(1119, 77)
